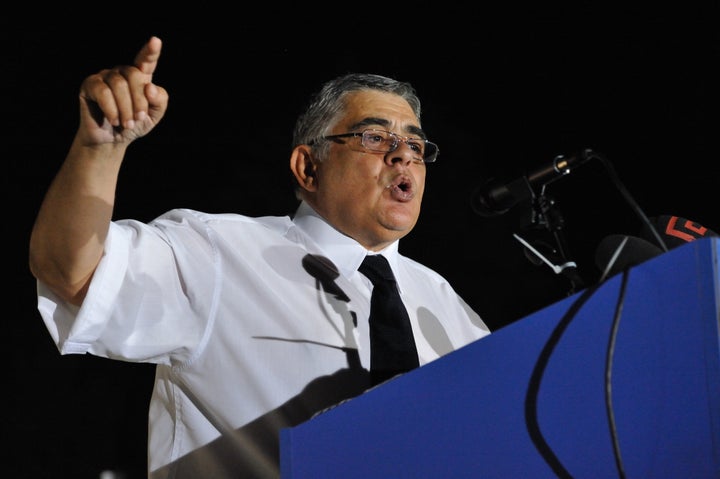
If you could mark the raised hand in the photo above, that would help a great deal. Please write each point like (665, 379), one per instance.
(121, 104)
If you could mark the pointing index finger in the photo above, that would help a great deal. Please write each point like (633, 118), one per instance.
(147, 58)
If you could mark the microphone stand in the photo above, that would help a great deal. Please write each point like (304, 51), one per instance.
(545, 215)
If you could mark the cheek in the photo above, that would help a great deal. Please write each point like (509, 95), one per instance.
(340, 184)
(420, 181)
(353, 174)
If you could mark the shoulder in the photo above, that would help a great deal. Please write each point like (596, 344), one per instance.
(196, 218)
(415, 268)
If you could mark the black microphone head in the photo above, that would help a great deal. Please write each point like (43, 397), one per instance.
(630, 250)
(676, 230)
(495, 198)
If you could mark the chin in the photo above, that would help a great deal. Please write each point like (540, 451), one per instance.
(396, 230)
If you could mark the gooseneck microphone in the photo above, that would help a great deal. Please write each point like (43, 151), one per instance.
(494, 198)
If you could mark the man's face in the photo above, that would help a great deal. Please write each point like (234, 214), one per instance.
(373, 197)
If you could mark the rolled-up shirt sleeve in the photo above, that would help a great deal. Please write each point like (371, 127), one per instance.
(137, 308)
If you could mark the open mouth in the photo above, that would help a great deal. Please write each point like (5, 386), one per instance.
(401, 188)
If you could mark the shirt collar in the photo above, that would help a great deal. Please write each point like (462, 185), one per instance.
(342, 250)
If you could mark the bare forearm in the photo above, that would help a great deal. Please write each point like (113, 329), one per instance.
(68, 237)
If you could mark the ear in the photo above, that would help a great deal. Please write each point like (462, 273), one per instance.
(303, 167)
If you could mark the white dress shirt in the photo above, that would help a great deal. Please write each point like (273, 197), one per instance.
(255, 324)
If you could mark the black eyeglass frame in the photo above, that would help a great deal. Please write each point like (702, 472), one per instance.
(396, 142)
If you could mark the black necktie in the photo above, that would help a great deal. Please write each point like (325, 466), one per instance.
(392, 346)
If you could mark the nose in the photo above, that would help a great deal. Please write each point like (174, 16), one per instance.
(402, 154)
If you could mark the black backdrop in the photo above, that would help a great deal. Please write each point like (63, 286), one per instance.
(500, 99)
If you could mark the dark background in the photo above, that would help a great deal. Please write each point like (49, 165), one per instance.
(503, 96)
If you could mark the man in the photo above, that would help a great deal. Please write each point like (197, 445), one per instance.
(255, 324)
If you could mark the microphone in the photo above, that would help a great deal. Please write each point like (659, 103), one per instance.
(493, 198)
(676, 230)
(617, 252)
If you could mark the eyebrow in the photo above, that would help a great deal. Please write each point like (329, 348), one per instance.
(372, 121)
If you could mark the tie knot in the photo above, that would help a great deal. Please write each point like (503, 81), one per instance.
(376, 268)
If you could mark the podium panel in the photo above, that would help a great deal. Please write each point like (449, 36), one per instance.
(621, 379)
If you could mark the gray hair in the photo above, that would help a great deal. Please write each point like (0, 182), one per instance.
(328, 104)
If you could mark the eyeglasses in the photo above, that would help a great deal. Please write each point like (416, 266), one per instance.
(383, 141)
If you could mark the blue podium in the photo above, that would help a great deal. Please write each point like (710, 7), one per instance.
(619, 380)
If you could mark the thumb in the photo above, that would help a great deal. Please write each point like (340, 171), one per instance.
(157, 98)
